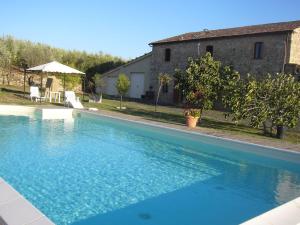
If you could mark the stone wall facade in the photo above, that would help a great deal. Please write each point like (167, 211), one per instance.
(295, 47)
(235, 51)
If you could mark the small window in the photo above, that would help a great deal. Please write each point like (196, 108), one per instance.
(167, 55)
(165, 88)
(258, 47)
(210, 49)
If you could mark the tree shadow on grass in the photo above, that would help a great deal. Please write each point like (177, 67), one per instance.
(179, 119)
(13, 91)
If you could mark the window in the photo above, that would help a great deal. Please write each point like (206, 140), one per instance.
(258, 47)
(165, 88)
(210, 49)
(167, 55)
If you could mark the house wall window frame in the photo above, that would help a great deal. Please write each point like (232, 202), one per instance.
(167, 55)
(165, 88)
(210, 49)
(258, 50)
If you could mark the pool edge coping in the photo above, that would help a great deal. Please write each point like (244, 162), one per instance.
(285, 214)
(8, 205)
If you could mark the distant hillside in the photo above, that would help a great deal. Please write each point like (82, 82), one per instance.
(14, 52)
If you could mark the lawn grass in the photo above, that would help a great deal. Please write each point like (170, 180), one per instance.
(211, 119)
(15, 95)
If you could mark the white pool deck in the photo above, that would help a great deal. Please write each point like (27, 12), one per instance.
(286, 214)
(16, 210)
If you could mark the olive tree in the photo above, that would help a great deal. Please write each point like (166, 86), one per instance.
(122, 85)
(246, 98)
(199, 83)
(163, 79)
(5, 63)
(273, 99)
(284, 102)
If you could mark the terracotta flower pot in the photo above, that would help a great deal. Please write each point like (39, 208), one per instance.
(191, 121)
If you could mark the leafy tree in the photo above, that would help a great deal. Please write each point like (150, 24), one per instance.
(7, 55)
(199, 83)
(272, 98)
(247, 98)
(18, 51)
(71, 81)
(163, 79)
(284, 102)
(122, 85)
(4, 61)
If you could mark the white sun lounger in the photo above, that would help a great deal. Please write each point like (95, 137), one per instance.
(72, 100)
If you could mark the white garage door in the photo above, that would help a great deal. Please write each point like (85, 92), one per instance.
(111, 86)
(136, 85)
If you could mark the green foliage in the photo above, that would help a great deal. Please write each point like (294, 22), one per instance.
(272, 98)
(284, 100)
(5, 58)
(17, 52)
(193, 113)
(98, 80)
(72, 81)
(200, 82)
(123, 84)
(163, 79)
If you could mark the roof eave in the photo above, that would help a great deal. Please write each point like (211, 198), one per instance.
(225, 36)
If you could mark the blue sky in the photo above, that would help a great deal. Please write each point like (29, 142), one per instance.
(124, 28)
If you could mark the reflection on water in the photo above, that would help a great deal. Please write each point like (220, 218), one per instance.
(287, 186)
(56, 136)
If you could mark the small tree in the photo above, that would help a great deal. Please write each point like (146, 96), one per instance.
(163, 79)
(99, 84)
(273, 98)
(246, 98)
(199, 84)
(123, 84)
(284, 102)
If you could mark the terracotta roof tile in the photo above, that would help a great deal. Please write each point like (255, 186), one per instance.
(238, 31)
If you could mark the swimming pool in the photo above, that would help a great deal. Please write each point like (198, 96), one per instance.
(100, 170)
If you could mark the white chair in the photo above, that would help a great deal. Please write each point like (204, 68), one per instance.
(72, 100)
(35, 94)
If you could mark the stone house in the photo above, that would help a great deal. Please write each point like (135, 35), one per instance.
(259, 49)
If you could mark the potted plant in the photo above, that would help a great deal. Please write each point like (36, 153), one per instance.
(192, 117)
(199, 85)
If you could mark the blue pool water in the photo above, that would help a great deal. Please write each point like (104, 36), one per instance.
(97, 170)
